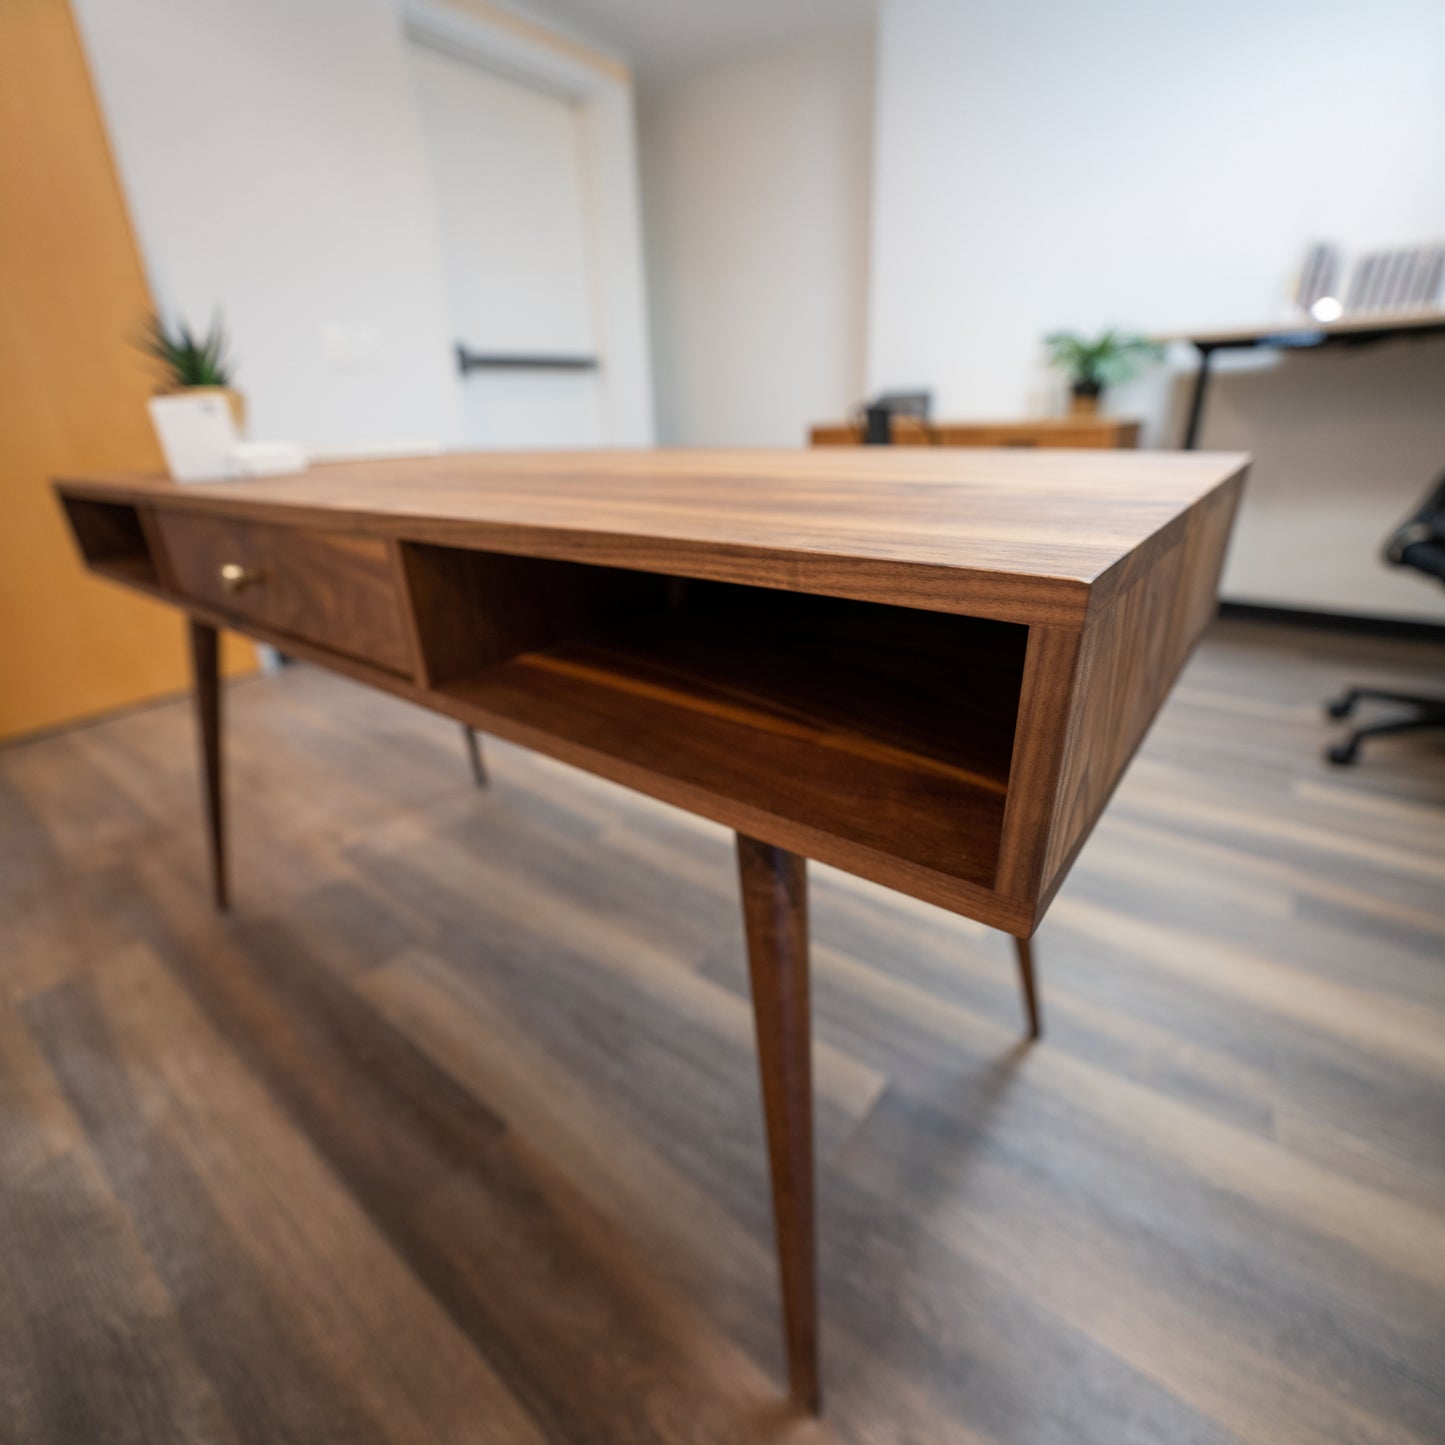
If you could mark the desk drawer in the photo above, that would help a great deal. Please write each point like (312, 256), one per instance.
(331, 588)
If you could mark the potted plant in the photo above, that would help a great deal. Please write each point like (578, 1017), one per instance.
(1106, 360)
(195, 365)
(199, 415)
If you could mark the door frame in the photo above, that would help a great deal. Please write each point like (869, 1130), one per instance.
(600, 87)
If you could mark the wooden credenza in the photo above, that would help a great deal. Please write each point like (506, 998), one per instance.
(1077, 433)
(928, 668)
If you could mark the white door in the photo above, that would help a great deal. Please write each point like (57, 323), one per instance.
(508, 172)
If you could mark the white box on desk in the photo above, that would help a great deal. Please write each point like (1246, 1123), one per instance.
(197, 434)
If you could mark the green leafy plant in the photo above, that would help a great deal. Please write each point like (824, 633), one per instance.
(1107, 359)
(189, 360)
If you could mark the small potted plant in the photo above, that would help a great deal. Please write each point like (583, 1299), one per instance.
(1106, 360)
(199, 415)
(195, 364)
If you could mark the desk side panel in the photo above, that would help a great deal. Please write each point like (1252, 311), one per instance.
(1050, 670)
(1128, 659)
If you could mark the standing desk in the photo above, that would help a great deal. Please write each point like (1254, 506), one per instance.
(928, 668)
(1348, 331)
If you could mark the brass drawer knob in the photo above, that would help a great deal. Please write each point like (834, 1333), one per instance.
(236, 578)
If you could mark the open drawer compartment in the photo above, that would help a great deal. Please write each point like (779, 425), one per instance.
(884, 727)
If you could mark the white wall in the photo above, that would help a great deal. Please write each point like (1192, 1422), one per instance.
(1048, 164)
(755, 202)
(274, 166)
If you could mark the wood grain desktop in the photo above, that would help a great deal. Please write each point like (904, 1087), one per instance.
(927, 668)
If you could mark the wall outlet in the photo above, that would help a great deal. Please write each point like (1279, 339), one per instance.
(351, 345)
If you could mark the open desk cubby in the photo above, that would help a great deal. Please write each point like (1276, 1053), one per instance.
(112, 541)
(889, 727)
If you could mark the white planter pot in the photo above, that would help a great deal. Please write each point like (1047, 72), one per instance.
(197, 433)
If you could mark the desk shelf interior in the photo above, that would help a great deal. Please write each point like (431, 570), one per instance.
(885, 726)
(112, 540)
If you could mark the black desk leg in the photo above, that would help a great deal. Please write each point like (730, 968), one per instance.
(1030, 988)
(474, 756)
(1196, 403)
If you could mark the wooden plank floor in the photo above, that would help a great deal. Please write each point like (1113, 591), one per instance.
(451, 1133)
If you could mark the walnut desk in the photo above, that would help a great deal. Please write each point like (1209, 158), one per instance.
(926, 667)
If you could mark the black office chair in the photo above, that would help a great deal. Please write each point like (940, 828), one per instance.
(1419, 543)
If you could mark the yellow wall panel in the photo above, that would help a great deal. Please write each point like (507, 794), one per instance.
(73, 389)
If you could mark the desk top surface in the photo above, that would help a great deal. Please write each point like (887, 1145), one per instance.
(931, 527)
(1346, 326)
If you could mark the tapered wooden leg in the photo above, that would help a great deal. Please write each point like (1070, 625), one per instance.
(474, 756)
(1026, 978)
(206, 679)
(775, 915)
